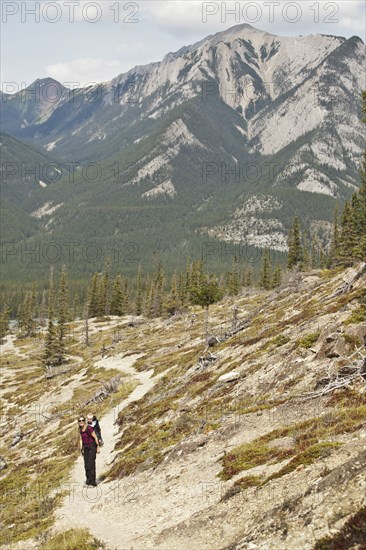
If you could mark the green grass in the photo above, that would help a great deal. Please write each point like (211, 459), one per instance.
(280, 340)
(249, 456)
(358, 315)
(240, 485)
(305, 458)
(308, 340)
(309, 438)
(73, 539)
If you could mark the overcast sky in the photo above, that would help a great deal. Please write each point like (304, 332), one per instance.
(92, 41)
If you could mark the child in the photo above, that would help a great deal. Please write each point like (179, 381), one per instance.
(94, 422)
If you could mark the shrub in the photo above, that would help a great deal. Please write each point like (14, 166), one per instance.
(308, 340)
(73, 539)
(280, 340)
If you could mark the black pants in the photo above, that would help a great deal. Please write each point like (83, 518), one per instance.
(90, 454)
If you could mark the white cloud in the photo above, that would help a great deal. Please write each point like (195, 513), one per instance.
(201, 17)
(85, 70)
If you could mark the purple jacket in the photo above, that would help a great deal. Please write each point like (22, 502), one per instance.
(87, 438)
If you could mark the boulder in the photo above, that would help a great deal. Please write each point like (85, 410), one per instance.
(229, 376)
(212, 341)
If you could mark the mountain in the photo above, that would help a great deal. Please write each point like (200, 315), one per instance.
(24, 172)
(222, 141)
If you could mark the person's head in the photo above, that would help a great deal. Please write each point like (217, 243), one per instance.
(81, 421)
(89, 418)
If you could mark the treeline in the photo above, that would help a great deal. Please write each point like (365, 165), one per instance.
(155, 295)
(348, 242)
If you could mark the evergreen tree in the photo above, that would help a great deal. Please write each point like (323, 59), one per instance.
(157, 293)
(248, 276)
(265, 280)
(172, 303)
(93, 296)
(314, 253)
(347, 237)
(276, 277)
(352, 240)
(182, 290)
(126, 297)
(360, 249)
(139, 293)
(187, 282)
(322, 259)
(103, 306)
(116, 306)
(150, 301)
(305, 263)
(43, 309)
(4, 321)
(207, 293)
(334, 249)
(63, 316)
(295, 250)
(51, 340)
(27, 313)
(233, 282)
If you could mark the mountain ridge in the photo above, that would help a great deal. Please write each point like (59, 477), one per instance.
(239, 116)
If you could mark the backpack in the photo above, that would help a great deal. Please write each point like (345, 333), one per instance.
(97, 430)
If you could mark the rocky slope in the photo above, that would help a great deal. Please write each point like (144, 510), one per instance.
(257, 441)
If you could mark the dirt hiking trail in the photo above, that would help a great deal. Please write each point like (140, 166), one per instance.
(83, 507)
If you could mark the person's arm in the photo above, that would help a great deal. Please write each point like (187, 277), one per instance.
(81, 445)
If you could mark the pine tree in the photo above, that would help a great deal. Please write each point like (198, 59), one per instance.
(352, 240)
(322, 258)
(93, 296)
(265, 280)
(360, 249)
(157, 293)
(27, 313)
(248, 276)
(172, 302)
(4, 321)
(314, 253)
(116, 306)
(347, 237)
(207, 293)
(233, 282)
(334, 248)
(51, 340)
(63, 316)
(276, 277)
(139, 293)
(295, 250)
(43, 309)
(150, 300)
(126, 297)
(305, 263)
(187, 283)
(103, 305)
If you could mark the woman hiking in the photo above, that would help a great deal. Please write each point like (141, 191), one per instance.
(89, 447)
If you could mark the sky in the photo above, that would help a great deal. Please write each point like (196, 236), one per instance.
(83, 42)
